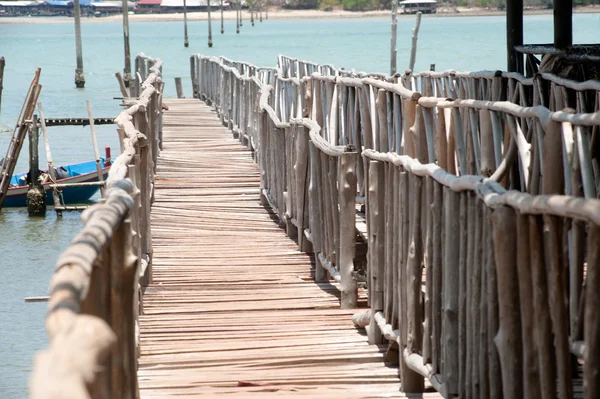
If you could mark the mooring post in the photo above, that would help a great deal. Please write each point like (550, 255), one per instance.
(240, 7)
(210, 42)
(186, 43)
(393, 55)
(237, 17)
(178, 88)
(252, 13)
(267, 10)
(36, 196)
(222, 25)
(260, 10)
(79, 75)
(127, 69)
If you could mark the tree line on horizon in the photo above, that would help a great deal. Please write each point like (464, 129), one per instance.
(369, 5)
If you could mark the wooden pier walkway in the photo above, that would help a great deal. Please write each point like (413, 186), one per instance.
(233, 309)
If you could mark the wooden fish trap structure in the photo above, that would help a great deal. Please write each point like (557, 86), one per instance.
(480, 217)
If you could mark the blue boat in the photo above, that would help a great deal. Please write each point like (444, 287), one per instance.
(76, 173)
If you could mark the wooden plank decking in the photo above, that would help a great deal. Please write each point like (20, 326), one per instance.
(233, 309)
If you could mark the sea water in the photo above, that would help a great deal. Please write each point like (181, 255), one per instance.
(29, 247)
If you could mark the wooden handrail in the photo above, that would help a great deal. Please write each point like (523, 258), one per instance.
(431, 207)
(93, 300)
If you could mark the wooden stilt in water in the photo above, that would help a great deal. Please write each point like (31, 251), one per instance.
(237, 17)
(79, 75)
(252, 13)
(267, 10)
(95, 143)
(260, 10)
(127, 70)
(178, 88)
(222, 25)
(240, 7)
(36, 196)
(186, 43)
(49, 160)
(210, 42)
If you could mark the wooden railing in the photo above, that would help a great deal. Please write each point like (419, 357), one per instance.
(95, 291)
(482, 220)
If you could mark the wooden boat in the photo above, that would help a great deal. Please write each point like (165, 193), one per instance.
(77, 173)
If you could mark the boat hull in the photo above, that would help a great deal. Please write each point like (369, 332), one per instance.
(17, 196)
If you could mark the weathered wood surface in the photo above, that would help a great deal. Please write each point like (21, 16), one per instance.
(233, 309)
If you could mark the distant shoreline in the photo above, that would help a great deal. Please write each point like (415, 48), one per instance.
(280, 14)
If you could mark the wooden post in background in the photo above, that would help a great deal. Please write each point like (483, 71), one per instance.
(178, 88)
(413, 49)
(260, 10)
(237, 17)
(36, 196)
(79, 75)
(251, 6)
(186, 42)
(222, 25)
(49, 160)
(267, 10)
(127, 68)
(210, 42)
(393, 53)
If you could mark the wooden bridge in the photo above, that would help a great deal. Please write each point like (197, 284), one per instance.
(305, 231)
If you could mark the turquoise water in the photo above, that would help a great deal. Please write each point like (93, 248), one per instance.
(30, 247)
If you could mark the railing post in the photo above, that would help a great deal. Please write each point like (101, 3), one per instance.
(122, 268)
(347, 196)
(376, 242)
(315, 215)
(302, 187)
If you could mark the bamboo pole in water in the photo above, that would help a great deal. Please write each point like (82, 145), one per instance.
(49, 160)
(210, 42)
(222, 25)
(186, 42)
(94, 141)
(413, 49)
(36, 196)
(79, 75)
(127, 68)
(393, 54)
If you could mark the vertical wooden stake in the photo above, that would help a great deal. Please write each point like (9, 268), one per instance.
(222, 25)
(260, 10)
(252, 13)
(186, 42)
(79, 75)
(178, 88)
(95, 141)
(237, 17)
(36, 196)
(210, 42)
(413, 49)
(49, 160)
(127, 68)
